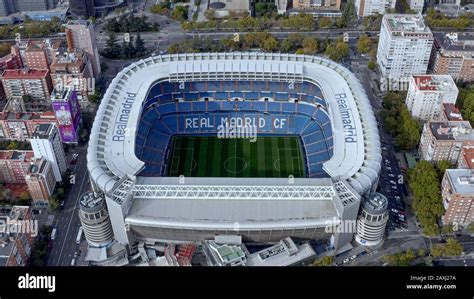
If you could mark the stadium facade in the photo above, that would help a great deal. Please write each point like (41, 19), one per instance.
(157, 98)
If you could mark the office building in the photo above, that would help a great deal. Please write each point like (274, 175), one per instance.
(427, 93)
(36, 56)
(17, 236)
(457, 191)
(453, 54)
(35, 83)
(80, 35)
(444, 140)
(370, 7)
(40, 181)
(404, 46)
(68, 114)
(8, 7)
(46, 142)
(14, 165)
(82, 8)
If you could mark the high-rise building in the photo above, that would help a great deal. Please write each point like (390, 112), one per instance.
(416, 5)
(80, 35)
(46, 142)
(90, 8)
(8, 7)
(35, 83)
(453, 54)
(36, 56)
(443, 140)
(21, 126)
(404, 47)
(457, 191)
(14, 166)
(68, 114)
(427, 93)
(16, 243)
(40, 181)
(369, 7)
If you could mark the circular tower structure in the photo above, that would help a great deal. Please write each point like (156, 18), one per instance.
(372, 220)
(95, 220)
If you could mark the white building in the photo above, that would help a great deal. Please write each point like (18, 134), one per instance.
(416, 5)
(370, 7)
(80, 35)
(46, 142)
(427, 93)
(404, 47)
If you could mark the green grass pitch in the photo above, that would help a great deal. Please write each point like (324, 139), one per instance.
(209, 156)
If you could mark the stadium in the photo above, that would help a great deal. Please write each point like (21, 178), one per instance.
(185, 147)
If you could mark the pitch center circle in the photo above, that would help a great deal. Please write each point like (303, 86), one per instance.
(232, 165)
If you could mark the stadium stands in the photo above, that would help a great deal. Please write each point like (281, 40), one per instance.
(169, 106)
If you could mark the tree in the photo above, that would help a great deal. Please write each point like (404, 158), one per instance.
(140, 49)
(324, 261)
(371, 65)
(324, 22)
(104, 67)
(337, 50)
(270, 44)
(364, 44)
(400, 258)
(4, 49)
(441, 167)
(180, 13)
(310, 45)
(209, 14)
(53, 203)
(112, 50)
(452, 247)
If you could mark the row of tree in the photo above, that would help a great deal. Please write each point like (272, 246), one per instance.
(297, 43)
(15, 145)
(399, 122)
(452, 247)
(437, 19)
(425, 184)
(133, 48)
(130, 23)
(32, 29)
(465, 102)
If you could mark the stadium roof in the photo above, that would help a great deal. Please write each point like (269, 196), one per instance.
(357, 153)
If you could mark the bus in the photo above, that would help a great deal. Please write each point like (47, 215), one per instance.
(53, 234)
(79, 235)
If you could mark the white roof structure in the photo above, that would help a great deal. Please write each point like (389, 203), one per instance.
(357, 153)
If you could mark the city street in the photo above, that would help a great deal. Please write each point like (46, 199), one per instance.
(67, 220)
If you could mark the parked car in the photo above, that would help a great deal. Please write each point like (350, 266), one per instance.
(61, 204)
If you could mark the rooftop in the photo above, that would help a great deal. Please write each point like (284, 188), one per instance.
(452, 112)
(452, 130)
(462, 180)
(406, 23)
(229, 4)
(25, 156)
(375, 203)
(467, 153)
(455, 42)
(435, 83)
(43, 131)
(25, 74)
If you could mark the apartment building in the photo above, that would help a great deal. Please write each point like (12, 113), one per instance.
(453, 54)
(40, 181)
(457, 191)
(366, 8)
(14, 166)
(320, 8)
(21, 126)
(449, 112)
(444, 140)
(404, 47)
(466, 158)
(36, 83)
(427, 93)
(17, 236)
(36, 56)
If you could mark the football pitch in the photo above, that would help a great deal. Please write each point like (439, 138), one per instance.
(209, 156)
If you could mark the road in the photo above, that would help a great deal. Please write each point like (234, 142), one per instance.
(67, 220)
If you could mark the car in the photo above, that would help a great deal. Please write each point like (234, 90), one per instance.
(394, 187)
(61, 204)
(391, 175)
(76, 254)
(397, 197)
(393, 182)
(354, 257)
(345, 261)
(73, 262)
(388, 168)
(75, 156)
(394, 211)
(384, 148)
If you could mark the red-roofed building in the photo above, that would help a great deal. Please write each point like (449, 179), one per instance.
(20, 126)
(36, 83)
(450, 113)
(426, 94)
(14, 166)
(466, 158)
